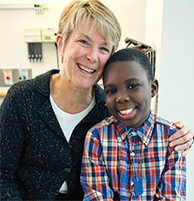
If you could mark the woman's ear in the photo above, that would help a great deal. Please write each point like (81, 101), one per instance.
(154, 87)
(59, 43)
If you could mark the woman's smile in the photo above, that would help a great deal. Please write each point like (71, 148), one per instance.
(85, 69)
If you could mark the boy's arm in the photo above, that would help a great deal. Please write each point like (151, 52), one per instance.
(172, 185)
(94, 178)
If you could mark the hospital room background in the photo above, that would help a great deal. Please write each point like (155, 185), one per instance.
(165, 25)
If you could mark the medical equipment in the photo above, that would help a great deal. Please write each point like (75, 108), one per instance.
(35, 37)
(147, 49)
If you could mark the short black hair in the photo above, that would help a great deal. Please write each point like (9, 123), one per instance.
(130, 54)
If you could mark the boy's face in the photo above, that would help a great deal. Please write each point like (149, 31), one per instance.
(128, 92)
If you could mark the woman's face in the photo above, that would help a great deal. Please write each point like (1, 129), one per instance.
(84, 56)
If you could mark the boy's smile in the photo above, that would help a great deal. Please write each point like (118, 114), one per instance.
(128, 113)
(128, 92)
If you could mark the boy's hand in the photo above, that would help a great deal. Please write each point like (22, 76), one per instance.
(182, 139)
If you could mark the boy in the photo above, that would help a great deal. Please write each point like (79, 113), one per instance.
(126, 156)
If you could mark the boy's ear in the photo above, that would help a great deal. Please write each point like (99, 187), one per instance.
(154, 87)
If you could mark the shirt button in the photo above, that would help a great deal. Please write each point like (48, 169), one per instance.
(132, 154)
(134, 133)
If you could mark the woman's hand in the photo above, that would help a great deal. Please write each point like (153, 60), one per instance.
(182, 139)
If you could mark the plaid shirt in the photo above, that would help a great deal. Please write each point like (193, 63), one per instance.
(116, 158)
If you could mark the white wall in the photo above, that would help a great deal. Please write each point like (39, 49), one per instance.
(153, 35)
(169, 29)
(176, 93)
(12, 22)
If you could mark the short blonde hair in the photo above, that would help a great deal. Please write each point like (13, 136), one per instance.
(103, 18)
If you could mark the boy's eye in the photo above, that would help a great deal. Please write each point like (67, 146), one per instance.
(110, 91)
(132, 86)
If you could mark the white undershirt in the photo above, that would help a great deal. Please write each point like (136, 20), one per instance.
(68, 122)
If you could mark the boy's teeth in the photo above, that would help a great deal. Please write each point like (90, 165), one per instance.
(126, 111)
(86, 69)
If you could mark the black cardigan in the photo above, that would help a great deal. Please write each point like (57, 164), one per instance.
(35, 157)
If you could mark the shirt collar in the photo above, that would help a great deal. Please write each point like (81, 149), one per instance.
(144, 132)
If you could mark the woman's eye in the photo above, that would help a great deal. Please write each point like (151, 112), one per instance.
(105, 49)
(84, 42)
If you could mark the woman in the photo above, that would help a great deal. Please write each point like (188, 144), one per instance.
(44, 120)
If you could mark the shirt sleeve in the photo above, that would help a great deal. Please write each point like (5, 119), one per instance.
(11, 146)
(94, 177)
(172, 185)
